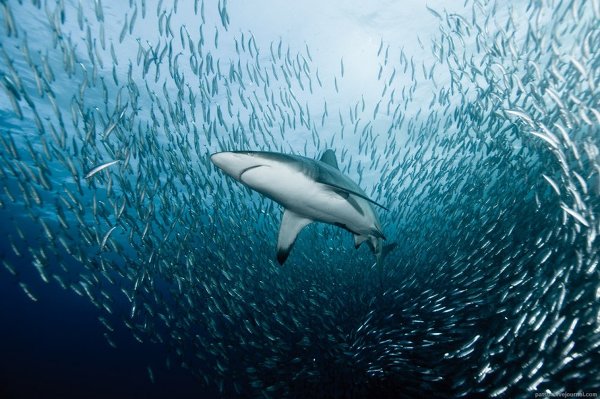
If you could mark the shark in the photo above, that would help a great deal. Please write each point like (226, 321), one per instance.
(309, 190)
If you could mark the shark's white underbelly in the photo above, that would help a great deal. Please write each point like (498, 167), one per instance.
(297, 192)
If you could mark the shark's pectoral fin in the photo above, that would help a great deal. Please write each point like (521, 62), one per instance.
(291, 224)
(359, 239)
(345, 192)
(351, 200)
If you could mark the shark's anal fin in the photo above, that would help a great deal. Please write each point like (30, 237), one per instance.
(291, 224)
(328, 157)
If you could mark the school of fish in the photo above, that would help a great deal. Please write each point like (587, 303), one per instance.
(487, 154)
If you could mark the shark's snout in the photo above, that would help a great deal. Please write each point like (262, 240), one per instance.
(233, 163)
(220, 159)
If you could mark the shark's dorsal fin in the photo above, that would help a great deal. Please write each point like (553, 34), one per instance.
(291, 224)
(328, 157)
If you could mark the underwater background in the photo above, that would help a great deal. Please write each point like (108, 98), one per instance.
(131, 267)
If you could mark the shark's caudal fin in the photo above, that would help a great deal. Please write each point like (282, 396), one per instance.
(387, 249)
(291, 224)
(379, 262)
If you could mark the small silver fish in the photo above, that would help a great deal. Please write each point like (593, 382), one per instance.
(100, 167)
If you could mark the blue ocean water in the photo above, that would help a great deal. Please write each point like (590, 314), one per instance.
(55, 347)
(133, 266)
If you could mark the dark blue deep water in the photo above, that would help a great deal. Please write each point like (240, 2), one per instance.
(56, 349)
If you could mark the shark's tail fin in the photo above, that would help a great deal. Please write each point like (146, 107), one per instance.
(380, 258)
(387, 249)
